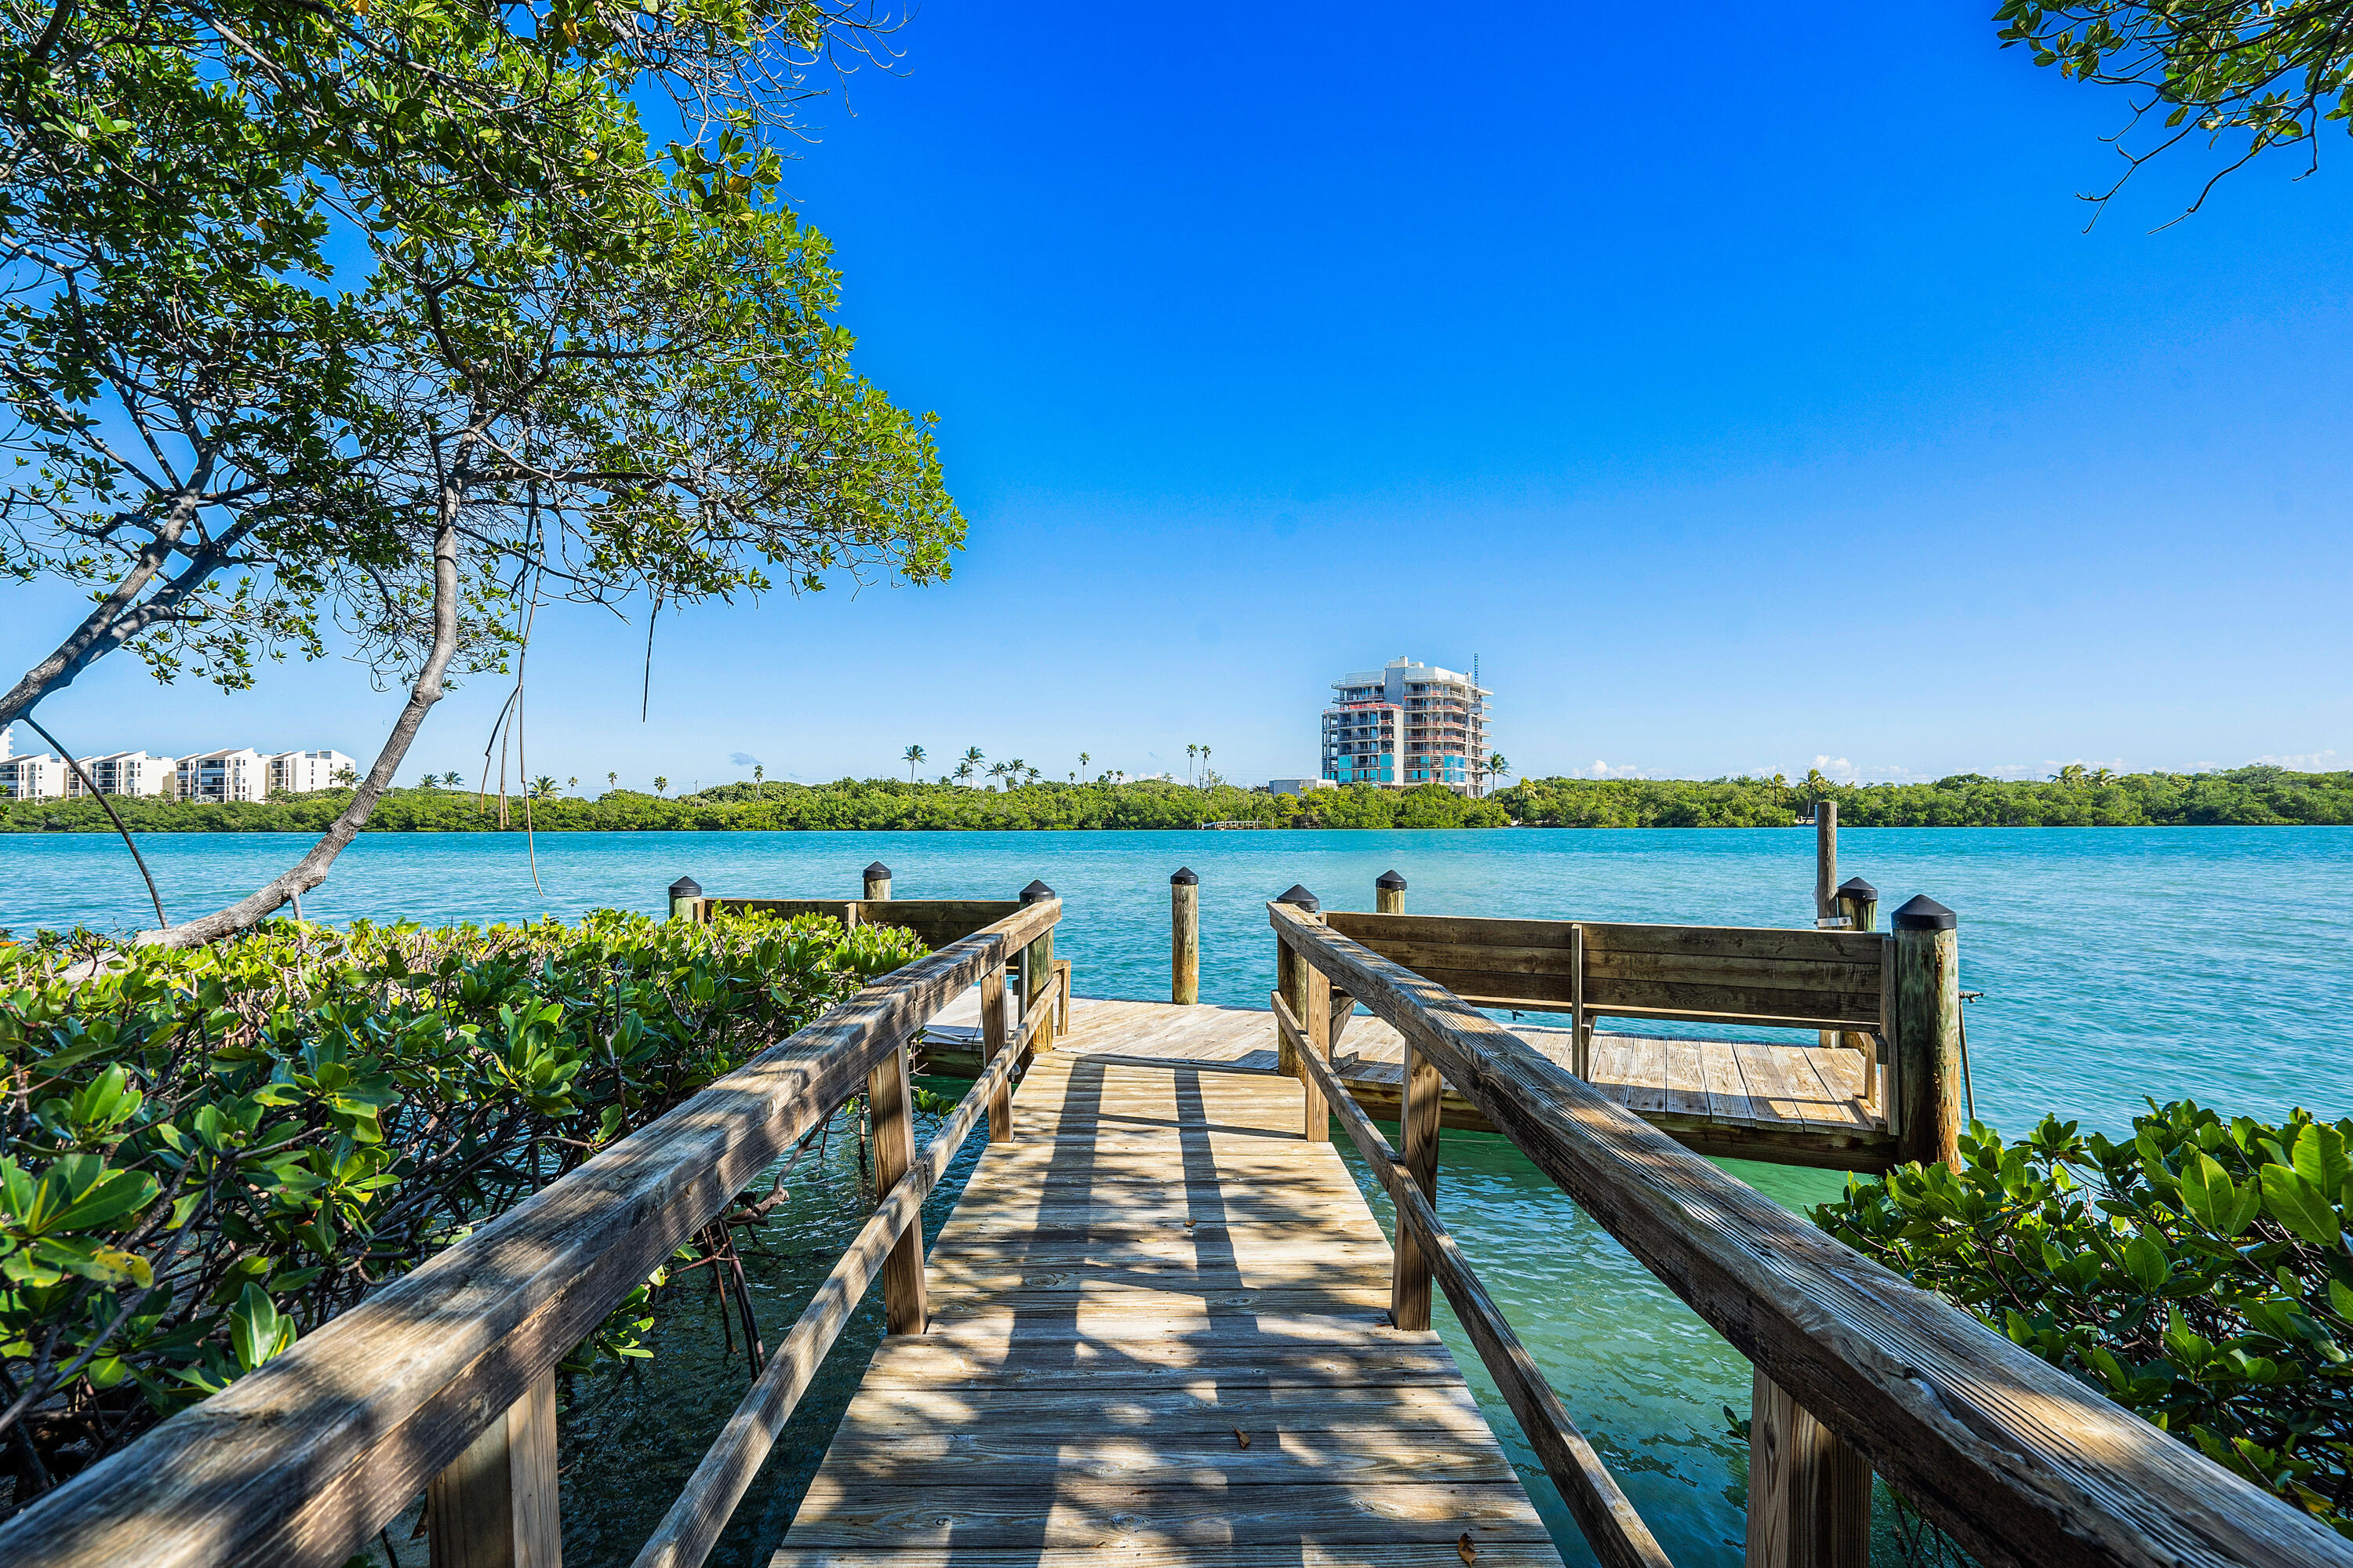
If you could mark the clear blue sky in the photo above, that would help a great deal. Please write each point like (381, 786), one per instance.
(1738, 385)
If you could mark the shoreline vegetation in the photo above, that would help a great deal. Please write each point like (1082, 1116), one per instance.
(2242, 797)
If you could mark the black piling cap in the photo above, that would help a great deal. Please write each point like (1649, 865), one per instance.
(1035, 892)
(1924, 914)
(1183, 877)
(1389, 879)
(1861, 891)
(1302, 897)
(878, 871)
(686, 887)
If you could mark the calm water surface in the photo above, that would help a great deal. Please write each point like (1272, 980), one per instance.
(2116, 963)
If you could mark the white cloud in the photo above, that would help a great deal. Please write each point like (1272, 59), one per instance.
(2300, 761)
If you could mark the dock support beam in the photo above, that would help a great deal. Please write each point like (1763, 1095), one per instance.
(495, 1506)
(1184, 936)
(891, 1114)
(1808, 1493)
(1388, 894)
(1927, 1043)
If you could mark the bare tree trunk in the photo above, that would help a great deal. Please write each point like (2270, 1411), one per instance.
(311, 869)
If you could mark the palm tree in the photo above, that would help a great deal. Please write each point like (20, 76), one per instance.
(913, 756)
(963, 771)
(1204, 763)
(1189, 751)
(1497, 763)
(1034, 775)
(760, 780)
(571, 784)
(542, 787)
(2103, 775)
(612, 780)
(1013, 768)
(1083, 760)
(660, 784)
(452, 780)
(972, 755)
(2071, 774)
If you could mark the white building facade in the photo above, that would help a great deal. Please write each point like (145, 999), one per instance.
(127, 773)
(35, 777)
(220, 777)
(300, 772)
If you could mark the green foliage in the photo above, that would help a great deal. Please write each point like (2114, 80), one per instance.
(209, 1152)
(2251, 74)
(2242, 797)
(2195, 1273)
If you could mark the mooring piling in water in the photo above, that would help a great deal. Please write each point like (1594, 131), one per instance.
(878, 881)
(682, 895)
(1184, 936)
(1388, 894)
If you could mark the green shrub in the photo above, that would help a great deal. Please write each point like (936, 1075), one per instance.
(208, 1153)
(2196, 1274)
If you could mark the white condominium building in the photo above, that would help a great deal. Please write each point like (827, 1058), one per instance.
(300, 772)
(35, 777)
(126, 773)
(241, 774)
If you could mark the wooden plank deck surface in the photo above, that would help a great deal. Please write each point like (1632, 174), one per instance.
(1159, 1335)
(1788, 1092)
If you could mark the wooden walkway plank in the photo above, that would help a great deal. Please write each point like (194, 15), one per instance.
(1160, 1334)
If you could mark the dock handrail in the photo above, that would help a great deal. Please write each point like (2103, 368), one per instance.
(302, 1461)
(2014, 1459)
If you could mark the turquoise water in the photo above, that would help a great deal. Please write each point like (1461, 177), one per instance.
(2116, 963)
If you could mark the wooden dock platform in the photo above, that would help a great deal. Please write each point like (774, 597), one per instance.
(1159, 1334)
(1795, 1104)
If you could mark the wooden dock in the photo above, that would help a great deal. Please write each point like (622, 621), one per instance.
(1159, 1333)
(1795, 1104)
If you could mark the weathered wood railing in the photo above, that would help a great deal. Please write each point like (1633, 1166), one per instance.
(1893, 997)
(444, 1380)
(1856, 1369)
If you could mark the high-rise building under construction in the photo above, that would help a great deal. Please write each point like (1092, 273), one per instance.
(1405, 724)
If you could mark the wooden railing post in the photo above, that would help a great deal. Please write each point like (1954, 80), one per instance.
(495, 1505)
(1037, 969)
(682, 895)
(1927, 1044)
(1825, 876)
(1184, 936)
(995, 1034)
(878, 881)
(1418, 1124)
(1808, 1493)
(1291, 980)
(1388, 894)
(891, 1114)
(1580, 1022)
(1859, 902)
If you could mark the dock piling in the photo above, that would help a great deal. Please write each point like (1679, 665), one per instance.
(1388, 894)
(682, 895)
(1184, 936)
(1859, 902)
(878, 881)
(1927, 1044)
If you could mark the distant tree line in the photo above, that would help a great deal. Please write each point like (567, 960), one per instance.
(2078, 797)
(2240, 797)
